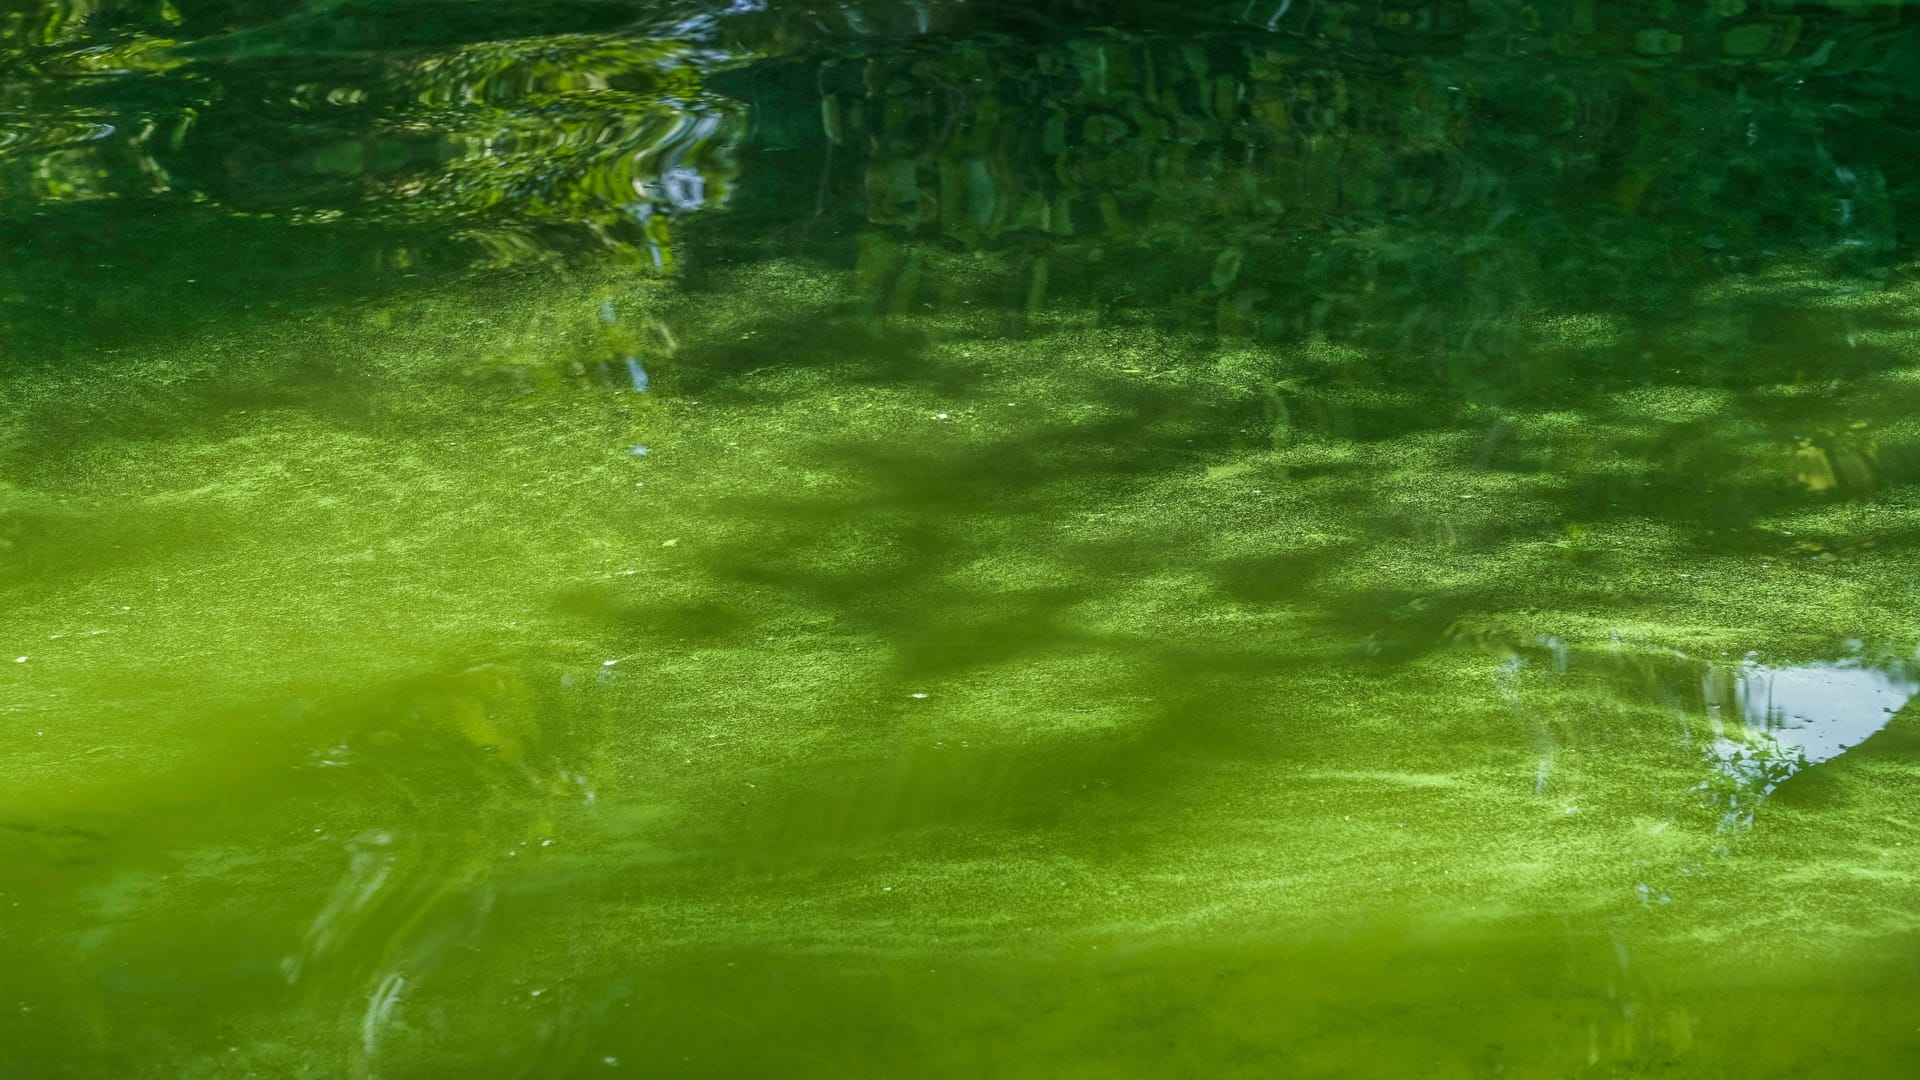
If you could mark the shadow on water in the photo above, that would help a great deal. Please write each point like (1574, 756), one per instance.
(1533, 1002)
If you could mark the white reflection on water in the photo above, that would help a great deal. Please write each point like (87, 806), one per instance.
(1815, 711)
(1771, 722)
(372, 863)
(380, 1006)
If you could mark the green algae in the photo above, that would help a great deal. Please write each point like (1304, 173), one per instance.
(1175, 553)
(927, 684)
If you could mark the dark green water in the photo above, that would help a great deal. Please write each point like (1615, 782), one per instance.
(552, 538)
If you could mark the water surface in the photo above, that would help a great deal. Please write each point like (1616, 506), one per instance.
(935, 539)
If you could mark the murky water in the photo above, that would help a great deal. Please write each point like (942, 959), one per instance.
(709, 538)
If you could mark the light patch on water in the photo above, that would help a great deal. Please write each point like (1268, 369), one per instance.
(371, 864)
(1391, 778)
(1818, 710)
(637, 374)
(1772, 722)
(380, 1006)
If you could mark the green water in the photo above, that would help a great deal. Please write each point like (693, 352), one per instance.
(569, 538)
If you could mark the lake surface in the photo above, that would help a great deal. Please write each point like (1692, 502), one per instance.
(712, 538)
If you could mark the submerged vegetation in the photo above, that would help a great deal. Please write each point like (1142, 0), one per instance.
(1350, 539)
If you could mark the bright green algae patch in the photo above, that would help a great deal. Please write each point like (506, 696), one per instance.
(403, 694)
